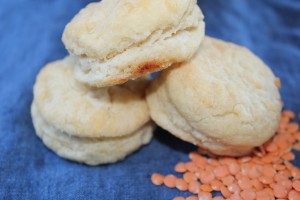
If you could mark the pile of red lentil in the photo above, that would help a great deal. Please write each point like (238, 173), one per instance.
(265, 174)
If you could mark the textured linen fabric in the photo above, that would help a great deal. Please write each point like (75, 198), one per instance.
(30, 37)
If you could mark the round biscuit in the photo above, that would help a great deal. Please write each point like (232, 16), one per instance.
(84, 111)
(91, 151)
(224, 99)
(115, 41)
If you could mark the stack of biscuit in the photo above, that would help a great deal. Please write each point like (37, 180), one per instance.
(86, 108)
(95, 106)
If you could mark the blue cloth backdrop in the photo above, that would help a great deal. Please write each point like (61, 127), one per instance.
(30, 37)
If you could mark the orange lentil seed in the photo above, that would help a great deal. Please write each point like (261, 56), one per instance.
(265, 180)
(295, 173)
(198, 172)
(194, 155)
(289, 114)
(282, 144)
(271, 147)
(248, 194)
(257, 184)
(293, 127)
(285, 172)
(282, 126)
(280, 191)
(253, 172)
(279, 167)
(228, 180)
(284, 120)
(192, 198)
(245, 183)
(221, 171)
(201, 162)
(225, 192)
(263, 195)
(288, 156)
(210, 168)
(279, 177)
(189, 176)
(178, 198)
(206, 188)
(181, 184)
(207, 176)
(268, 191)
(296, 185)
(180, 167)
(234, 168)
(204, 195)
(213, 162)
(294, 195)
(239, 176)
(157, 179)
(218, 198)
(194, 187)
(286, 183)
(297, 146)
(235, 196)
(170, 181)
(216, 185)
(190, 166)
(269, 171)
(288, 165)
(267, 159)
(296, 135)
(234, 188)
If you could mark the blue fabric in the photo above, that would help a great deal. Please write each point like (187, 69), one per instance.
(30, 37)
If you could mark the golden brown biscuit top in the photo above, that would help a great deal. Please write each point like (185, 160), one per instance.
(88, 112)
(106, 28)
(225, 92)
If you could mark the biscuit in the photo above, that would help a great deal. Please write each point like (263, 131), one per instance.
(117, 40)
(224, 99)
(91, 151)
(85, 124)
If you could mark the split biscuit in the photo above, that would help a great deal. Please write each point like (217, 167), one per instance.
(117, 40)
(85, 124)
